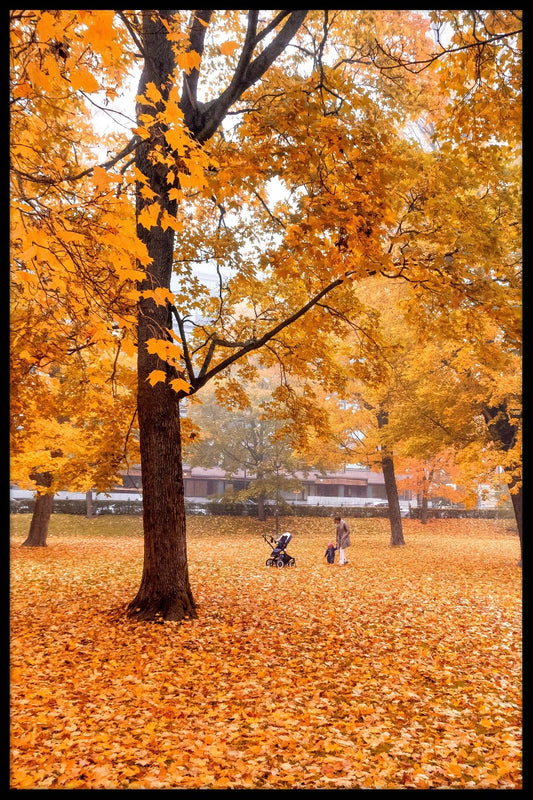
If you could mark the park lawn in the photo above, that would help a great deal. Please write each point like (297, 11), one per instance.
(401, 669)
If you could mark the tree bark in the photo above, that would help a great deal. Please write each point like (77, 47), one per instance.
(391, 488)
(503, 431)
(89, 505)
(424, 512)
(424, 507)
(261, 512)
(165, 592)
(42, 512)
(395, 515)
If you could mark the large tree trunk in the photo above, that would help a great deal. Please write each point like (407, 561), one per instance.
(42, 512)
(165, 592)
(387, 465)
(395, 515)
(503, 431)
(89, 504)
(261, 512)
(424, 507)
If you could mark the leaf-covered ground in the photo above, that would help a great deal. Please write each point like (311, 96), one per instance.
(401, 669)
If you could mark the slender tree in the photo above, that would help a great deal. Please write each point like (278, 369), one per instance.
(70, 433)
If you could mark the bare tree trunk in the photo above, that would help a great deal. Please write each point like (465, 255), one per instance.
(395, 515)
(42, 511)
(424, 507)
(387, 465)
(165, 592)
(89, 505)
(426, 482)
(261, 513)
(503, 430)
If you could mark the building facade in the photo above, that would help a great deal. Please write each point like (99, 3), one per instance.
(353, 486)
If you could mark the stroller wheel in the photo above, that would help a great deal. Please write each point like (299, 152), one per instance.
(292, 562)
(280, 563)
(270, 562)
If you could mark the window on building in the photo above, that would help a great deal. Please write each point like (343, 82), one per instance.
(327, 491)
(131, 482)
(355, 491)
(377, 490)
(195, 487)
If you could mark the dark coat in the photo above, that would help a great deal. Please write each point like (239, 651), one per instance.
(330, 554)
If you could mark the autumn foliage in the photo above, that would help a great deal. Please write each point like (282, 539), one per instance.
(297, 154)
(400, 670)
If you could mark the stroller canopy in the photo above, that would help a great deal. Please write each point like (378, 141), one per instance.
(284, 540)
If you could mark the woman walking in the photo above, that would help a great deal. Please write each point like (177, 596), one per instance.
(343, 539)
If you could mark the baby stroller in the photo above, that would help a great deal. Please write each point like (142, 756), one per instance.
(279, 557)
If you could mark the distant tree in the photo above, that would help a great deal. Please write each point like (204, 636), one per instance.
(69, 433)
(245, 439)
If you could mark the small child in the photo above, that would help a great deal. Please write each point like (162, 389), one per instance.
(330, 553)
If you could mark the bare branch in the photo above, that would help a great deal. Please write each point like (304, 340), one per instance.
(131, 31)
(255, 344)
(129, 148)
(426, 62)
(248, 72)
(186, 355)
